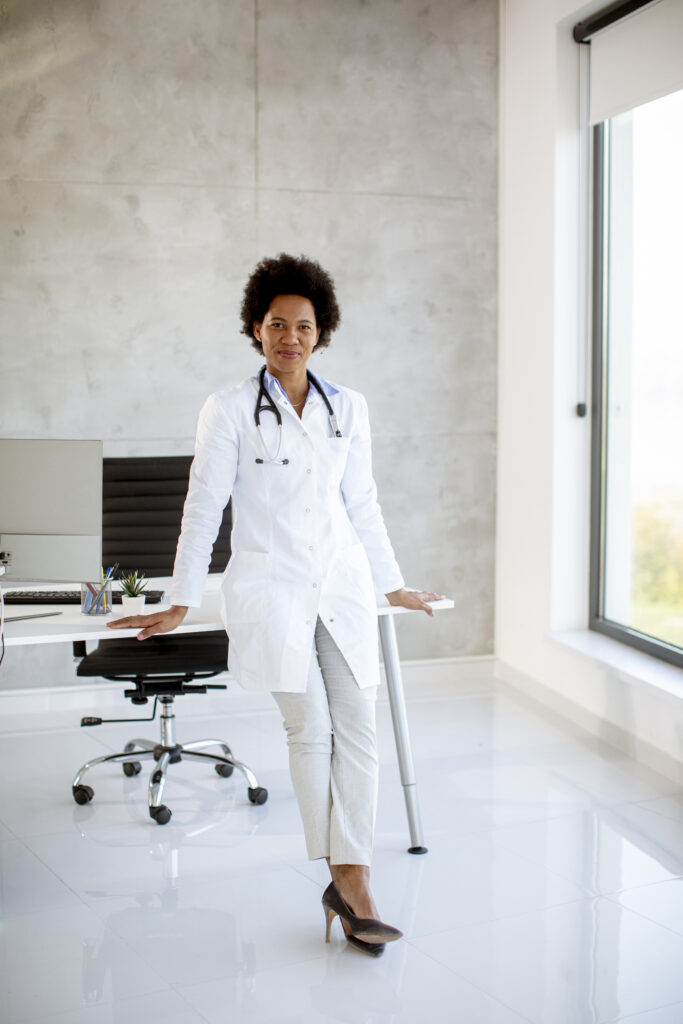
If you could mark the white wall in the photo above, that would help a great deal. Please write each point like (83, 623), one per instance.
(542, 546)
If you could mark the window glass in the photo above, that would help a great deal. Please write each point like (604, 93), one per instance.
(643, 525)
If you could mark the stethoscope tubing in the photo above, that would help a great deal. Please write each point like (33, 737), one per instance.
(270, 406)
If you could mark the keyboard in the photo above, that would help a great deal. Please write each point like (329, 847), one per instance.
(67, 596)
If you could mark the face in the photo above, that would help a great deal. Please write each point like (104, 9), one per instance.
(288, 333)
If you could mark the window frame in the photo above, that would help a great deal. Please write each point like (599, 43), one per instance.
(600, 371)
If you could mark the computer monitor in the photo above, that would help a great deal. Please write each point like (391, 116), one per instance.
(50, 511)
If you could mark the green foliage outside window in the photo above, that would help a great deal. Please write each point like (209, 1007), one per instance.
(657, 593)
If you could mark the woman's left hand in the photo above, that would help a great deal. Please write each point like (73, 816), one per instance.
(417, 599)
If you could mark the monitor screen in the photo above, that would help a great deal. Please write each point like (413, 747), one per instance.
(50, 510)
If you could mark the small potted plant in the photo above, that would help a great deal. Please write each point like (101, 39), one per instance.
(132, 599)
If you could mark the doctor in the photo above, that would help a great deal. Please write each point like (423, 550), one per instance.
(310, 555)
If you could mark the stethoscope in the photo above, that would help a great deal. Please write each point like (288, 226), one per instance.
(270, 406)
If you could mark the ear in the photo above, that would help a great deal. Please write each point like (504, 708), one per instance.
(256, 331)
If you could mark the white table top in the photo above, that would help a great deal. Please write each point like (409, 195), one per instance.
(70, 624)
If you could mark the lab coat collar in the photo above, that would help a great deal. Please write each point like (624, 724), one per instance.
(274, 386)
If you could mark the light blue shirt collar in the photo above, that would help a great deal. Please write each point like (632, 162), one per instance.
(273, 384)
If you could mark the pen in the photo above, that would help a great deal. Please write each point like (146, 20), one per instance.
(110, 572)
(36, 615)
(90, 598)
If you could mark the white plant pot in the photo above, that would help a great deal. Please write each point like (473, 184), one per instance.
(132, 605)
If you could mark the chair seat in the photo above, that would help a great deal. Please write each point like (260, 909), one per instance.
(168, 654)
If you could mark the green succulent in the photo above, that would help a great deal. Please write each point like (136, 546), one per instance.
(132, 583)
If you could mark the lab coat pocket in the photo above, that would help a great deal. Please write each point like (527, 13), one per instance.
(356, 562)
(354, 568)
(337, 445)
(244, 589)
(335, 453)
(244, 586)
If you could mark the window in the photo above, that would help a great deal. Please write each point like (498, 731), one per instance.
(637, 521)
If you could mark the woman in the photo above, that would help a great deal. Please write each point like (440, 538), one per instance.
(310, 552)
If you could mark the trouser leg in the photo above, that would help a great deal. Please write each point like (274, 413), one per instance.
(354, 767)
(306, 718)
(333, 756)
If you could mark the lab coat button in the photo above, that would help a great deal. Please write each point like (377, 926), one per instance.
(307, 510)
(308, 471)
(310, 547)
(315, 586)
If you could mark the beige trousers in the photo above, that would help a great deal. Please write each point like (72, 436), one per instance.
(333, 756)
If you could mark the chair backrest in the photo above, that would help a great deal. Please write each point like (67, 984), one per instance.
(142, 507)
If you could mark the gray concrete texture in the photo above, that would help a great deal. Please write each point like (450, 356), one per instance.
(153, 152)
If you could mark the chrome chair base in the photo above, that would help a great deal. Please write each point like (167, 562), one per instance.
(165, 753)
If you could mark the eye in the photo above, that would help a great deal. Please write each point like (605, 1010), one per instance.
(305, 327)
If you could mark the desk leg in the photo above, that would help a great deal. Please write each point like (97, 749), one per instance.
(392, 668)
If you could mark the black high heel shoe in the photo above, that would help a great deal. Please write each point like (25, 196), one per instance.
(365, 929)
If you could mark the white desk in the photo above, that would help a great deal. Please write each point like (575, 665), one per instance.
(71, 624)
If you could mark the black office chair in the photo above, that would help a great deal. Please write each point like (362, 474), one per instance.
(142, 504)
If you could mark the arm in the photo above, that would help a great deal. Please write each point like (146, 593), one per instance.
(360, 497)
(212, 477)
(359, 492)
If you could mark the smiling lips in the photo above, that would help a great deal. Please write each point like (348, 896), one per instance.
(286, 354)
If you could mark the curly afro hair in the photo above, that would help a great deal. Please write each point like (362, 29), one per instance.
(290, 275)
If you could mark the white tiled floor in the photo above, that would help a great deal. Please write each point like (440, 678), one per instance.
(551, 892)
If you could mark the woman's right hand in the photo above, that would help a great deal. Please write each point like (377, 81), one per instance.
(156, 622)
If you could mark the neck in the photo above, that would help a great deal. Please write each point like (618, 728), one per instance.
(294, 384)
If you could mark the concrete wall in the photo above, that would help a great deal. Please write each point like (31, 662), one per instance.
(153, 152)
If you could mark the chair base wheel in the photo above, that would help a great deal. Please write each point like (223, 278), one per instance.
(161, 814)
(258, 795)
(83, 794)
(225, 770)
(131, 768)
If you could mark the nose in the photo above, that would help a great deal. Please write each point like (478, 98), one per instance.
(290, 337)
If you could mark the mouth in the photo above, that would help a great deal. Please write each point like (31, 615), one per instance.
(288, 355)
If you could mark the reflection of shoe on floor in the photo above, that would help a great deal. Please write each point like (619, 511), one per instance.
(369, 948)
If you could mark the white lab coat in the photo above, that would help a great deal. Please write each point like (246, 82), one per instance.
(308, 538)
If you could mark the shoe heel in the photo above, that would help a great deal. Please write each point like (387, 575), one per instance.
(329, 918)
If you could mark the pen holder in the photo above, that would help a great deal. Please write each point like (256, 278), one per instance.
(96, 598)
